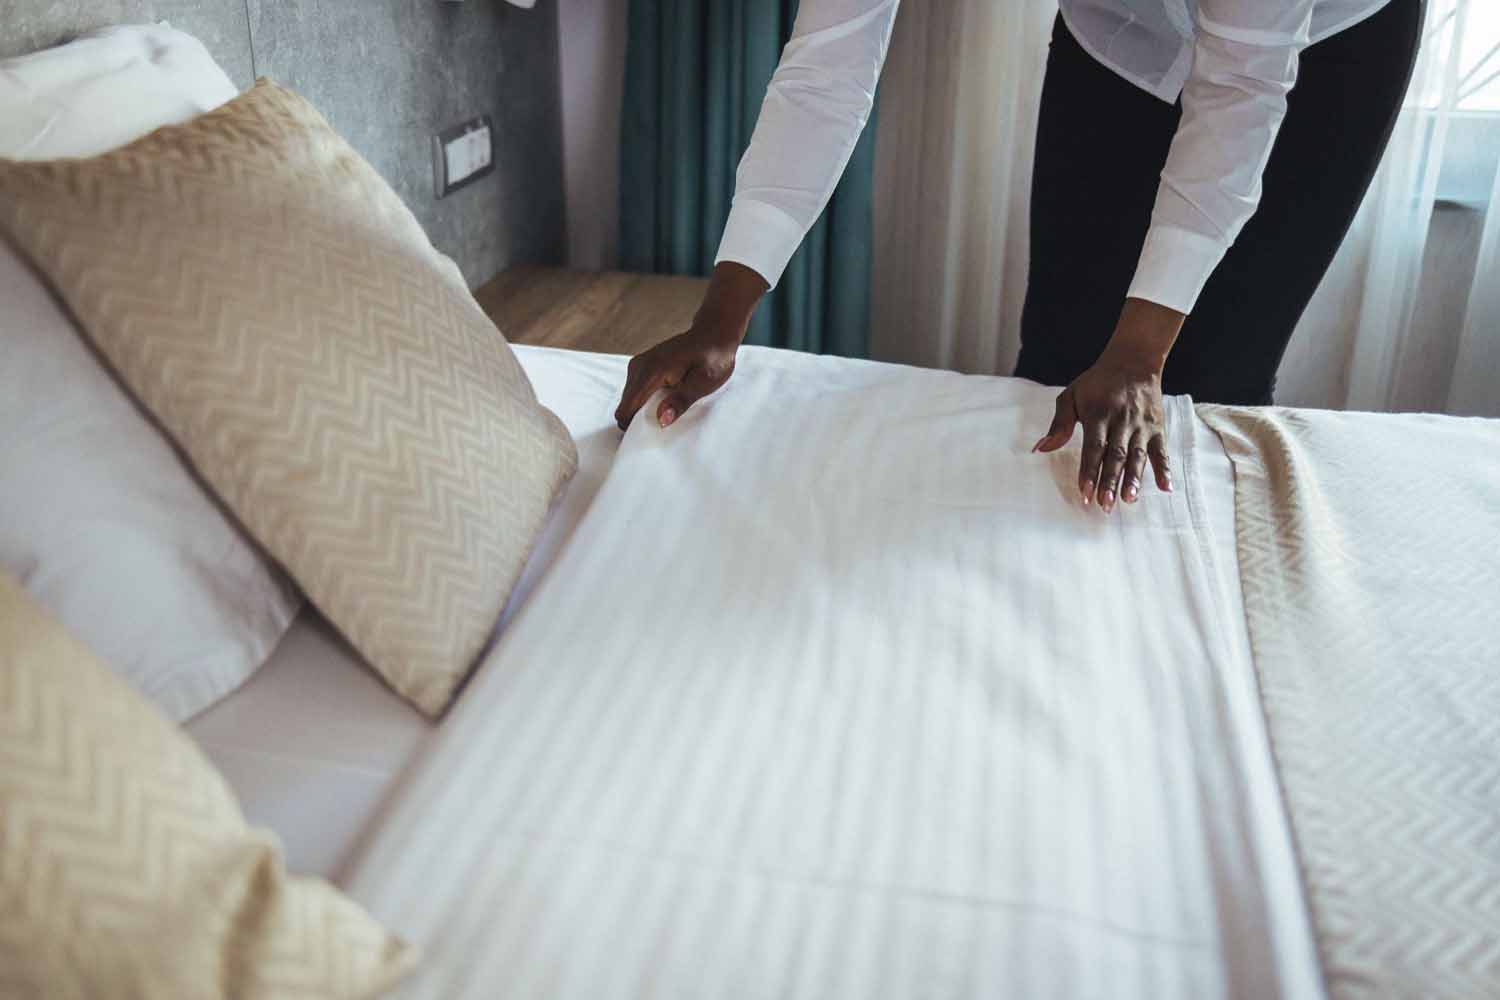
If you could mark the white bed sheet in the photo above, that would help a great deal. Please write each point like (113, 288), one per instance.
(313, 743)
(834, 693)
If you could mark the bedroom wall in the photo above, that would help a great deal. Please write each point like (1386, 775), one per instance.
(387, 74)
(591, 38)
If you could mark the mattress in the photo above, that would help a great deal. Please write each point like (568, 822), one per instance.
(313, 743)
(836, 691)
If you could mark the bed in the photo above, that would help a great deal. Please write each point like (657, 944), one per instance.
(740, 779)
(832, 689)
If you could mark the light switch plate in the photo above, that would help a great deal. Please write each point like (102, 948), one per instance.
(462, 154)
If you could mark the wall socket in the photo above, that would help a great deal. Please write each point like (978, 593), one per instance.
(462, 154)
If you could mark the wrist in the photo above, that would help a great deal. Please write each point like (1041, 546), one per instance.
(723, 332)
(1143, 336)
(734, 290)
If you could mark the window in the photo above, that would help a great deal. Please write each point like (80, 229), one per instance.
(1461, 57)
(1479, 59)
(1458, 85)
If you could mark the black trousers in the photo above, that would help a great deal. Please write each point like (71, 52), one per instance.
(1100, 146)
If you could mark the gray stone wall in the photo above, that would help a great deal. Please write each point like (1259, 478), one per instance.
(387, 74)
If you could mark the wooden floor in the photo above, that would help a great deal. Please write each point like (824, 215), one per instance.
(606, 311)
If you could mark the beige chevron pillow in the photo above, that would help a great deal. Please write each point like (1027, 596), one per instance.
(126, 869)
(282, 314)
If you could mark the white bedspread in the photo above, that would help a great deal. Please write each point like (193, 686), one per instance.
(835, 692)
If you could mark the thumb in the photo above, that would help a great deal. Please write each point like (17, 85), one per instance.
(693, 386)
(1064, 418)
(640, 383)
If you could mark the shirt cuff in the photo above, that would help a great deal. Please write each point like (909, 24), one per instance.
(762, 237)
(1174, 266)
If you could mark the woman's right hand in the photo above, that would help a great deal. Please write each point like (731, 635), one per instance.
(689, 366)
(695, 363)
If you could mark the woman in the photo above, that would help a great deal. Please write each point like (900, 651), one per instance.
(1163, 124)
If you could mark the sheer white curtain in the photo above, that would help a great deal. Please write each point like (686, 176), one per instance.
(957, 124)
(1407, 318)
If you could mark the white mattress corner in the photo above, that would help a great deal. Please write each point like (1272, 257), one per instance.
(582, 388)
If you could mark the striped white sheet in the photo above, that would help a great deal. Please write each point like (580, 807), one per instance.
(835, 692)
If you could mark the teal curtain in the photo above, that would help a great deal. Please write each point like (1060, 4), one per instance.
(695, 74)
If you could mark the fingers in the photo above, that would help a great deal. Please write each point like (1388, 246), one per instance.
(698, 382)
(1063, 420)
(1116, 453)
(1135, 466)
(1124, 427)
(641, 380)
(1095, 438)
(1157, 451)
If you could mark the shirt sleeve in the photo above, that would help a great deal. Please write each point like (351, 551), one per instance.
(815, 109)
(1244, 64)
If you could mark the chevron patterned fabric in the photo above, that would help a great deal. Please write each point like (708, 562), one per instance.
(280, 311)
(1369, 557)
(126, 869)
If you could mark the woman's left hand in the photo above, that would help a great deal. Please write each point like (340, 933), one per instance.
(1118, 402)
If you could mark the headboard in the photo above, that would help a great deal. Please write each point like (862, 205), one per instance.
(388, 74)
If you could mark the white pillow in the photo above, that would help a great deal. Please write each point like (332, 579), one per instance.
(99, 516)
(103, 90)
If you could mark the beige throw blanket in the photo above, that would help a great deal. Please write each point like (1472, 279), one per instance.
(1369, 550)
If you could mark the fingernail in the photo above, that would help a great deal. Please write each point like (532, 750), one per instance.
(667, 417)
(1130, 493)
(1107, 500)
(1169, 484)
